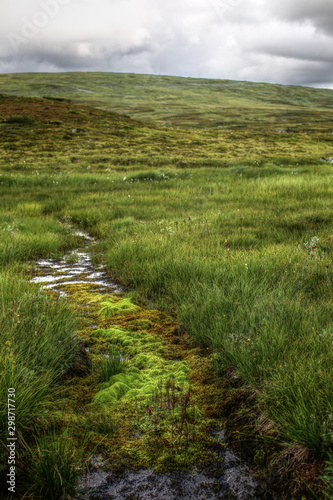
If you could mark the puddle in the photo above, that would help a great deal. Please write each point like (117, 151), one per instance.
(58, 272)
(228, 478)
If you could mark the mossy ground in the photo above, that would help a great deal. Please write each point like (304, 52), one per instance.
(156, 351)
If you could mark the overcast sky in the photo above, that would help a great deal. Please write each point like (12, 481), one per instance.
(278, 41)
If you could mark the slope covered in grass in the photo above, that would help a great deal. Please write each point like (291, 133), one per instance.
(58, 135)
(228, 229)
(184, 102)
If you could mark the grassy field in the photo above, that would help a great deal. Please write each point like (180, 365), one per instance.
(220, 219)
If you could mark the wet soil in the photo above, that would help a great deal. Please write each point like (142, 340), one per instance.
(227, 479)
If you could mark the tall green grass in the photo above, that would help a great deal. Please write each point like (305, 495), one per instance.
(37, 346)
(25, 237)
(55, 464)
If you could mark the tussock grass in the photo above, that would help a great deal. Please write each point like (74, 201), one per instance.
(25, 237)
(111, 364)
(37, 348)
(55, 465)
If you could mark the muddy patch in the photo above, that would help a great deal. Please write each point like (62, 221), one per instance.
(227, 479)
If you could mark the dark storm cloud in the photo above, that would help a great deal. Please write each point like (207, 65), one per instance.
(317, 12)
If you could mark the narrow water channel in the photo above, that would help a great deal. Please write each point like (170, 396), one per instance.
(228, 478)
(56, 273)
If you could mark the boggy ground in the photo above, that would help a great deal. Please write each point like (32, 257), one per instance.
(158, 411)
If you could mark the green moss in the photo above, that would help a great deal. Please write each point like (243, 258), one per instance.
(101, 305)
(148, 361)
(141, 324)
(128, 401)
(115, 333)
(131, 341)
(111, 307)
(142, 379)
(125, 385)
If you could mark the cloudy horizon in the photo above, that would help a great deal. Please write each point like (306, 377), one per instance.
(274, 41)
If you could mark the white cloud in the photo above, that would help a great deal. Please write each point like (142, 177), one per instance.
(260, 40)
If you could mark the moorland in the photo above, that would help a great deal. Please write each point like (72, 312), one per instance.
(211, 203)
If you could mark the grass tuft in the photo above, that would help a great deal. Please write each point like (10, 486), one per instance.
(111, 363)
(55, 465)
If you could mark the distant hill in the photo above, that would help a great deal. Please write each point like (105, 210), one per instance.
(104, 121)
(183, 102)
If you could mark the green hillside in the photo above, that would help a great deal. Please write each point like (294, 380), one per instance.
(52, 129)
(189, 102)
